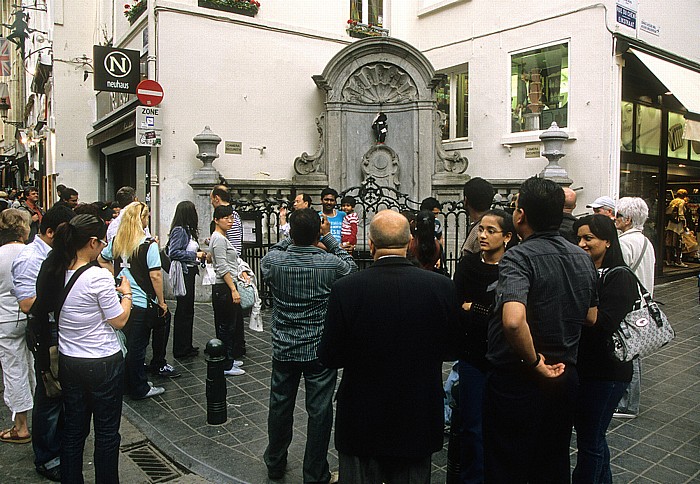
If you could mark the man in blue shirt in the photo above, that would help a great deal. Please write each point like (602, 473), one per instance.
(47, 412)
(335, 217)
(300, 275)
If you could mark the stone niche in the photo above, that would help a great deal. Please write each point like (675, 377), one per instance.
(389, 76)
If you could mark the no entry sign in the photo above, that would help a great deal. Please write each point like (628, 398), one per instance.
(150, 93)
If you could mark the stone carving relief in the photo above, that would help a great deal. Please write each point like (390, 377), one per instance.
(380, 84)
(307, 164)
(447, 162)
(381, 163)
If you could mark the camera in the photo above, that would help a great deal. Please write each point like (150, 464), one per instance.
(118, 281)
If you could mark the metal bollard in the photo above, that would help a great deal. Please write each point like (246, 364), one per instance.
(454, 447)
(216, 383)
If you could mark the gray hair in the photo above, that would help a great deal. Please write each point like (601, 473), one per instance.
(635, 209)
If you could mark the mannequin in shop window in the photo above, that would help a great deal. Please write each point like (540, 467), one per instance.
(675, 227)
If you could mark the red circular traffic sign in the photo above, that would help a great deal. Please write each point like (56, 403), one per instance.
(150, 93)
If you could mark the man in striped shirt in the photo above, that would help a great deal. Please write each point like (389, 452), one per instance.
(221, 196)
(300, 275)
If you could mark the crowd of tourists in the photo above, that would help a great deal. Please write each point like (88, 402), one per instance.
(527, 318)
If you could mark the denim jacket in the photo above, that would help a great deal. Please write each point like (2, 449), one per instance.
(177, 248)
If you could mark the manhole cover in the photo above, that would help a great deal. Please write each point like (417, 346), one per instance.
(152, 463)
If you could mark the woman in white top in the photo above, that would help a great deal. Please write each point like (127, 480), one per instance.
(15, 358)
(225, 300)
(91, 364)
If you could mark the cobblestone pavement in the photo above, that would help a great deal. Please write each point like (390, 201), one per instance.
(661, 445)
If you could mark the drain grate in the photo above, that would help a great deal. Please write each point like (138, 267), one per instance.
(152, 463)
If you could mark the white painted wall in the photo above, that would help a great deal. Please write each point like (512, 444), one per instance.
(74, 99)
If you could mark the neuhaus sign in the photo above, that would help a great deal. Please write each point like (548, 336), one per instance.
(116, 70)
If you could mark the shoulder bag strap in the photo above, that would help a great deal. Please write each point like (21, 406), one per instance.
(140, 271)
(634, 266)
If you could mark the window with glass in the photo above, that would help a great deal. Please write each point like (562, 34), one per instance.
(540, 88)
(640, 129)
(367, 11)
(453, 101)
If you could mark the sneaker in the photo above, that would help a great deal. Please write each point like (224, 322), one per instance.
(238, 363)
(622, 414)
(680, 264)
(234, 371)
(153, 392)
(168, 371)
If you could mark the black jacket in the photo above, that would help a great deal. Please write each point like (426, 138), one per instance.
(390, 327)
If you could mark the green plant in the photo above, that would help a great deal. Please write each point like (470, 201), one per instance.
(249, 5)
(134, 10)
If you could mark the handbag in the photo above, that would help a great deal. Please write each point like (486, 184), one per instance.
(247, 292)
(644, 330)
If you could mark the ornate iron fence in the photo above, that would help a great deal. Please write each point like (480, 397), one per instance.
(262, 223)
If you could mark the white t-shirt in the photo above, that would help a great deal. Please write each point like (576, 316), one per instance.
(83, 330)
(9, 308)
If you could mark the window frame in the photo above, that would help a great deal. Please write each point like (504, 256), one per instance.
(509, 125)
(453, 74)
(364, 15)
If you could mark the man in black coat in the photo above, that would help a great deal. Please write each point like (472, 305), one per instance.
(390, 327)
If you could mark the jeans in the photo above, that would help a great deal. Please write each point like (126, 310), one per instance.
(92, 388)
(159, 342)
(319, 383)
(527, 425)
(226, 316)
(184, 317)
(137, 331)
(471, 404)
(629, 403)
(594, 410)
(47, 425)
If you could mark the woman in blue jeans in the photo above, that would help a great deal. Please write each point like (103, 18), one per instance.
(183, 247)
(91, 364)
(475, 280)
(603, 379)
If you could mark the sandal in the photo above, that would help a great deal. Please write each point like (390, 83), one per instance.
(11, 436)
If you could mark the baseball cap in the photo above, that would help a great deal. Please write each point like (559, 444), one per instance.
(602, 202)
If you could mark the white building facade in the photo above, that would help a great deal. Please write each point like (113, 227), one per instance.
(511, 69)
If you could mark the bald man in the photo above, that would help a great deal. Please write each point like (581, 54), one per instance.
(389, 327)
(566, 229)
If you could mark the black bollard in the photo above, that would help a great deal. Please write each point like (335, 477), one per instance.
(454, 446)
(216, 383)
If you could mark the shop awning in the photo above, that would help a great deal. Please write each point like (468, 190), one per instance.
(681, 82)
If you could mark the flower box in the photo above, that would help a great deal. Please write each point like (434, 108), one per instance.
(360, 31)
(241, 7)
(133, 11)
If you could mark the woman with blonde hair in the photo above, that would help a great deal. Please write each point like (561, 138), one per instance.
(137, 258)
(15, 358)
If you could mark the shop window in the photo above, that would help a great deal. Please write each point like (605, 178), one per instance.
(540, 88)
(642, 180)
(453, 101)
(367, 11)
(648, 130)
(677, 146)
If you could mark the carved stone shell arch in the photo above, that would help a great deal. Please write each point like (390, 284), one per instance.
(380, 84)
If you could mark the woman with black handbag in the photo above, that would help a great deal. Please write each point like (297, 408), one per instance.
(91, 362)
(183, 247)
(603, 379)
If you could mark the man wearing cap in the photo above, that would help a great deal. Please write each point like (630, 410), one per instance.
(604, 206)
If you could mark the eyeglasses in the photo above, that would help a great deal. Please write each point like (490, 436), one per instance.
(619, 215)
(103, 242)
(488, 230)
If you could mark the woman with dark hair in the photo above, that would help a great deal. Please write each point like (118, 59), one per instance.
(91, 364)
(475, 280)
(183, 247)
(603, 379)
(424, 247)
(225, 299)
